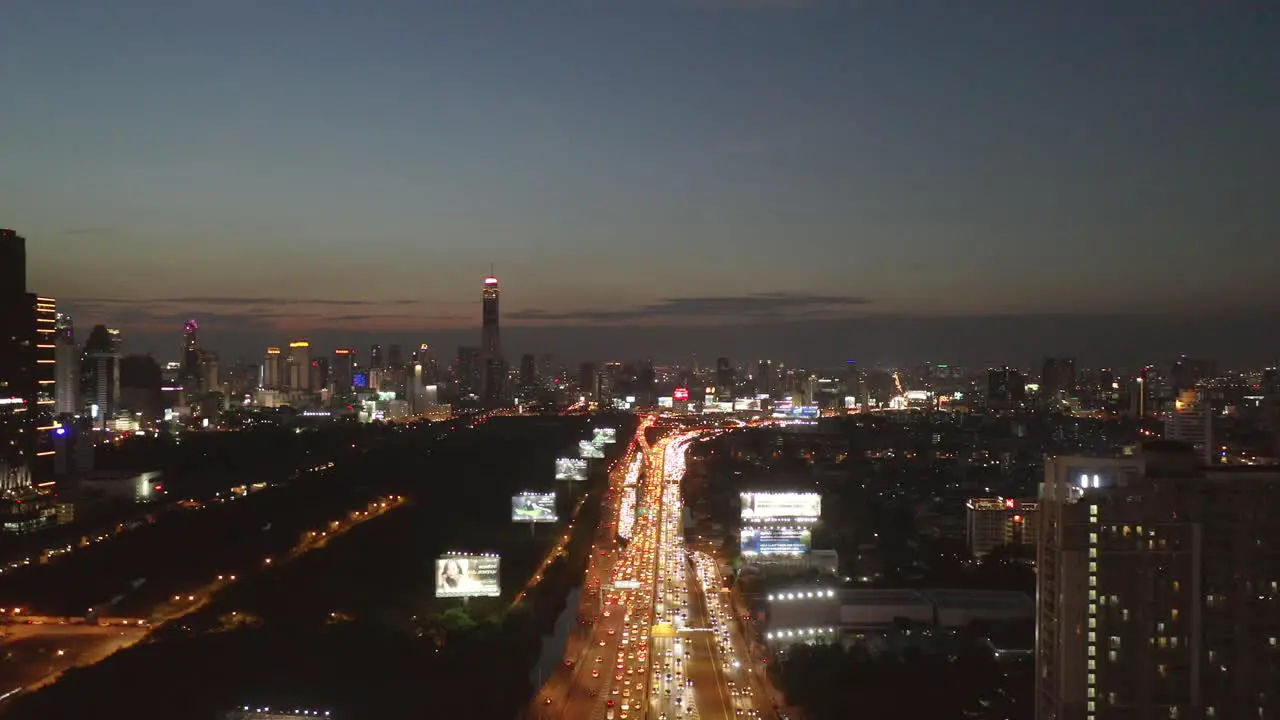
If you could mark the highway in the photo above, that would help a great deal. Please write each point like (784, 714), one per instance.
(661, 643)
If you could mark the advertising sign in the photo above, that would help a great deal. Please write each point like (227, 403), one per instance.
(588, 449)
(775, 541)
(571, 469)
(680, 394)
(534, 507)
(468, 576)
(771, 506)
(604, 436)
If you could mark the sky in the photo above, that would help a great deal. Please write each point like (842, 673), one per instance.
(891, 180)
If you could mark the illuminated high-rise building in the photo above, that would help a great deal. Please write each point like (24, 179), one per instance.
(191, 374)
(1191, 421)
(46, 375)
(273, 370)
(343, 369)
(300, 365)
(66, 389)
(494, 374)
(1156, 588)
(375, 357)
(17, 365)
(101, 375)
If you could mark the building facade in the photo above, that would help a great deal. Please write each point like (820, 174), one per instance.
(1158, 588)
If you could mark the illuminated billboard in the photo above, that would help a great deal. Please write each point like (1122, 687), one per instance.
(775, 541)
(680, 394)
(746, 404)
(571, 469)
(773, 506)
(534, 507)
(468, 576)
(666, 401)
(604, 436)
(588, 449)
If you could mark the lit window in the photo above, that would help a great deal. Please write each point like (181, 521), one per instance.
(1113, 656)
(1173, 614)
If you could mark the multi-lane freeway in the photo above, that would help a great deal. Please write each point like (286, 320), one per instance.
(660, 641)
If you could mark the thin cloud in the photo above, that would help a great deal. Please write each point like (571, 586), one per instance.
(237, 300)
(755, 306)
(98, 230)
(752, 4)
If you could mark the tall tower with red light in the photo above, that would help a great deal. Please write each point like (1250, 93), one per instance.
(491, 344)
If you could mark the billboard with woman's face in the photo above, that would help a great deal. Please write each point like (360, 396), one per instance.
(468, 576)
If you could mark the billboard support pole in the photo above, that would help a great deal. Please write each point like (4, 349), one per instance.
(531, 532)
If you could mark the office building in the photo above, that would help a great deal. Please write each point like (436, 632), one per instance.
(299, 365)
(192, 376)
(528, 376)
(343, 370)
(273, 370)
(724, 378)
(375, 357)
(1191, 421)
(210, 372)
(1057, 380)
(468, 370)
(1158, 588)
(992, 522)
(66, 368)
(101, 375)
(46, 379)
(13, 262)
(494, 378)
(1185, 373)
(395, 356)
(1006, 388)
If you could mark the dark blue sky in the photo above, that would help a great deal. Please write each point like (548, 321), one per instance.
(622, 161)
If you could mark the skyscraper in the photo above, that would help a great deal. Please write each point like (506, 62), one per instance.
(375, 357)
(528, 375)
(101, 375)
(13, 262)
(300, 365)
(191, 374)
(724, 377)
(469, 369)
(17, 365)
(491, 345)
(1058, 379)
(67, 368)
(273, 370)
(1157, 589)
(343, 369)
(1191, 422)
(1006, 388)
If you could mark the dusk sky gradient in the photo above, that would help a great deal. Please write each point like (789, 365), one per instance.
(888, 179)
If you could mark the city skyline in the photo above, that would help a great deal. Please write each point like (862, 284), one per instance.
(657, 170)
